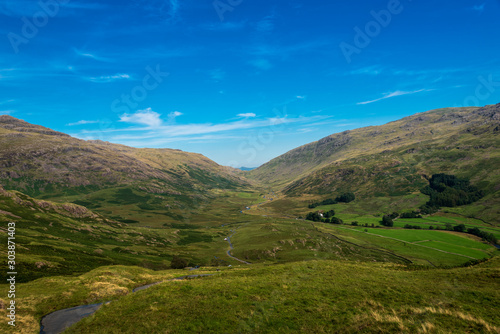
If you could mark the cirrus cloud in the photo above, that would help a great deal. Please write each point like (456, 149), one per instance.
(247, 115)
(145, 117)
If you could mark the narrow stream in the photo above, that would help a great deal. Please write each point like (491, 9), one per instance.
(231, 248)
(56, 322)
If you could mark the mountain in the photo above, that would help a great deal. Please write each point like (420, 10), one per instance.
(246, 169)
(397, 158)
(48, 164)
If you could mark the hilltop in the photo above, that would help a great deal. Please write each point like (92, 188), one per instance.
(397, 159)
(52, 165)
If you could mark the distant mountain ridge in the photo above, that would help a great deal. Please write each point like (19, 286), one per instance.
(246, 169)
(45, 163)
(396, 158)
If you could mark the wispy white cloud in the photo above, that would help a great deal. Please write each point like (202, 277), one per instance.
(140, 141)
(6, 112)
(369, 70)
(167, 11)
(109, 78)
(7, 101)
(394, 94)
(265, 25)
(173, 11)
(173, 115)
(301, 97)
(217, 74)
(157, 130)
(286, 50)
(82, 122)
(247, 115)
(143, 117)
(378, 69)
(91, 56)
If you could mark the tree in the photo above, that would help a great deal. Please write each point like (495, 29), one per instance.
(336, 220)
(346, 197)
(329, 214)
(387, 221)
(394, 215)
(450, 191)
(178, 262)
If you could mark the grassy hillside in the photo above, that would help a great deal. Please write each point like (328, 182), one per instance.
(396, 159)
(38, 298)
(94, 218)
(66, 239)
(312, 297)
(51, 165)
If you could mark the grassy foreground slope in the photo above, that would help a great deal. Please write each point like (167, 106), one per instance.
(108, 283)
(394, 159)
(312, 297)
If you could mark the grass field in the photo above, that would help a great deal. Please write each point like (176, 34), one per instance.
(311, 297)
(435, 248)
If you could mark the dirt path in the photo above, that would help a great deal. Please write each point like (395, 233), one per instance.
(231, 247)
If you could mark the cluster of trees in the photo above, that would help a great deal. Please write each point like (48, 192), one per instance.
(327, 217)
(355, 223)
(388, 220)
(428, 210)
(412, 214)
(489, 237)
(325, 202)
(450, 191)
(413, 227)
(178, 262)
(342, 198)
(318, 216)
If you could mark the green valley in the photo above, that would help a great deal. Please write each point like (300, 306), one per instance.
(383, 229)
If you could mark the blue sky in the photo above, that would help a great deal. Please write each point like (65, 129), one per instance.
(241, 81)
